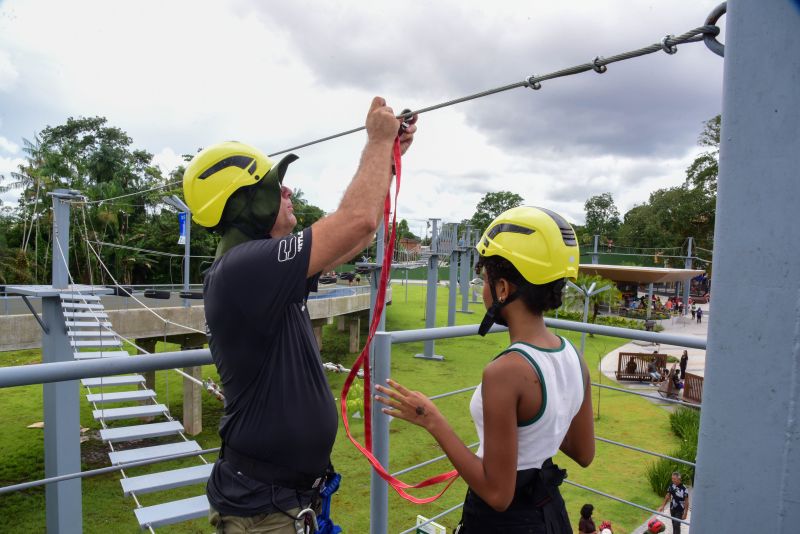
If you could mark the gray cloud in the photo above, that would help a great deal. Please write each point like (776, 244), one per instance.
(650, 106)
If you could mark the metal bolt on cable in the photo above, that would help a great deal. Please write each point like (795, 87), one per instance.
(532, 83)
(666, 47)
(598, 68)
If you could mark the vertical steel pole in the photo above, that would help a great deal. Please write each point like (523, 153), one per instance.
(433, 279)
(649, 299)
(474, 262)
(595, 257)
(465, 256)
(453, 282)
(687, 284)
(186, 257)
(749, 449)
(379, 488)
(62, 453)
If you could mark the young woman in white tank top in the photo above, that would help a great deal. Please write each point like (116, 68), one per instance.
(534, 397)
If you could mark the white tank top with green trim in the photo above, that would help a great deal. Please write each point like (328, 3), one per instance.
(561, 377)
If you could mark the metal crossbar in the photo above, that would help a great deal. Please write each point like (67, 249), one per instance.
(104, 470)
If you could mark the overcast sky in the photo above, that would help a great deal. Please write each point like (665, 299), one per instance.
(179, 75)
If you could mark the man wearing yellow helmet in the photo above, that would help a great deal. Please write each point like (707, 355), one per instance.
(280, 420)
(534, 397)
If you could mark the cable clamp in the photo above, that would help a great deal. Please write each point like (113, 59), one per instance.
(666, 47)
(598, 68)
(532, 83)
(710, 37)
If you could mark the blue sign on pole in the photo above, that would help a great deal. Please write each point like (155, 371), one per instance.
(182, 225)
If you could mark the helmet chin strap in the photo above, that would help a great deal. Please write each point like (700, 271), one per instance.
(493, 313)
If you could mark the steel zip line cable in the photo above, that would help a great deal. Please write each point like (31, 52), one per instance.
(668, 44)
(599, 64)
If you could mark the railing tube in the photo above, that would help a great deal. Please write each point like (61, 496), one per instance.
(379, 489)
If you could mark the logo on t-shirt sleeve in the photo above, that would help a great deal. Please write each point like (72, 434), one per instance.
(289, 247)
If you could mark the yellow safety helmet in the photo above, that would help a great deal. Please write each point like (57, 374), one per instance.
(218, 171)
(540, 243)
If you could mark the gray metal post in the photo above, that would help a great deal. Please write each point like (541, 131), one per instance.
(379, 488)
(180, 205)
(649, 298)
(186, 257)
(62, 453)
(374, 279)
(595, 258)
(453, 282)
(473, 263)
(465, 256)
(430, 305)
(687, 284)
(749, 448)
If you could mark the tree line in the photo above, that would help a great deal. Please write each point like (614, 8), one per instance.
(101, 161)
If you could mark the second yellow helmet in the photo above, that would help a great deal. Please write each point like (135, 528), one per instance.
(540, 244)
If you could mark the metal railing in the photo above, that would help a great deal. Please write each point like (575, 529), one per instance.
(74, 370)
(379, 521)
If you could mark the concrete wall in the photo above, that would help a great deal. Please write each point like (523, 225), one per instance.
(23, 332)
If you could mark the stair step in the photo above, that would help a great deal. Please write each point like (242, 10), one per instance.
(97, 343)
(91, 333)
(129, 412)
(82, 324)
(81, 306)
(121, 396)
(166, 480)
(119, 380)
(89, 315)
(100, 354)
(130, 433)
(172, 512)
(79, 296)
(156, 451)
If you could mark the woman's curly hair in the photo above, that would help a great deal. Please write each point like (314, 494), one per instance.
(537, 298)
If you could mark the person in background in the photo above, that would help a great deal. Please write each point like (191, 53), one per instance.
(586, 524)
(678, 498)
(684, 362)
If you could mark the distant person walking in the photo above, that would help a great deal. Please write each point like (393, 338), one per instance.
(678, 498)
(694, 310)
(684, 362)
(699, 315)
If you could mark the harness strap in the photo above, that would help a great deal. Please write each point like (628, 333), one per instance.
(362, 361)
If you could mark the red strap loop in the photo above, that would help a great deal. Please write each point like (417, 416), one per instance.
(362, 361)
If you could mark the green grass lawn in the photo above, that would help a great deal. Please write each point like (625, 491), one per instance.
(621, 417)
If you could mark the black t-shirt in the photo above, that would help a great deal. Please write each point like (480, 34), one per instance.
(678, 495)
(278, 405)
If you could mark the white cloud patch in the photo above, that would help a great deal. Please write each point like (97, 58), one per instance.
(8, 146)
(167, 160)
(8, 72)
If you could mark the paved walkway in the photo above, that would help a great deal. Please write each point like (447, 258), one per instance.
(676, 325)
(697, 365)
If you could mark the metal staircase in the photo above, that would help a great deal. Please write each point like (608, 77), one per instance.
(91, 336)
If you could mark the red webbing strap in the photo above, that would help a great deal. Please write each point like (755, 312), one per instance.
(362, 361)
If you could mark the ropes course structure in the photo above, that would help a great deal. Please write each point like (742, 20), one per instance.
(383, 340)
